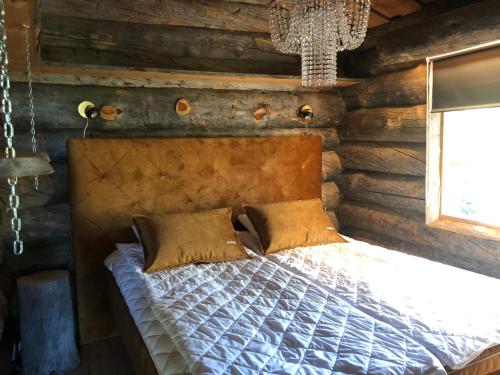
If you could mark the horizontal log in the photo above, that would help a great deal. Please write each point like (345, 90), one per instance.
(331, 165)
(391, 157)
(52, 189)
(405, 186)
(377, 34)
(330, 195)
(56, 106)
(79, 56)
(84, 41)
(260, 2)
(403, 88)
(212, 14)
(155, 78)
(56, 255)
(64, 31)
(40, 225)
(392, 9)
(395, 124)
(395, 191)
(329, 136)
(375, 20)
(475, 254)
(51, 141)
(457, 29)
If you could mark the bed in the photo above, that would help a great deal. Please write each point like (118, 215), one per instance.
(254, 317)
(114, 179)
(170, 361)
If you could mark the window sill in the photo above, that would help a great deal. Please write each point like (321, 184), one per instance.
(468, 228)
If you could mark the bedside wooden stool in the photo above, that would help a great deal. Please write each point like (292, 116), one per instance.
(47, 323)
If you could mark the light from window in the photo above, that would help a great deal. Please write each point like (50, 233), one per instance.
(471, 165)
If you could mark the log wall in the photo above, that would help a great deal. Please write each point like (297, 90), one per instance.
(382, 135)
(213, 35)
(146, 112)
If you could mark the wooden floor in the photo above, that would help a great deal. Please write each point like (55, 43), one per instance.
(107, 357)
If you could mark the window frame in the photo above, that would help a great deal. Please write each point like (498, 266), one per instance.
(433, 176)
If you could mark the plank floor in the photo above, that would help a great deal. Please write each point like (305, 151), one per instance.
(106, 357)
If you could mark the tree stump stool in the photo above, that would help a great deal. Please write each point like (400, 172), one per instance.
(47, 324)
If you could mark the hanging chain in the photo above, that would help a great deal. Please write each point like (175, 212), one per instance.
(30, 96)
(10, 151)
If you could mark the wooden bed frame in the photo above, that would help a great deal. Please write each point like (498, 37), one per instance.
(136, 348)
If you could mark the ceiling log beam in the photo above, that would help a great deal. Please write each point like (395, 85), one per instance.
(458, 29)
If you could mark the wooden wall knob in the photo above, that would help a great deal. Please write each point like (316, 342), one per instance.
(261, 114)
(109, 113)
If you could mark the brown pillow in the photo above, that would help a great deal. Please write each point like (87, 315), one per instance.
(287, 225)
(172, 240)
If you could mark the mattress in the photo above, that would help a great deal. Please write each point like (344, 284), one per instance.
(255, 317)
(452, 312)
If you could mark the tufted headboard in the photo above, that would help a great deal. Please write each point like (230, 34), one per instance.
(112, 180)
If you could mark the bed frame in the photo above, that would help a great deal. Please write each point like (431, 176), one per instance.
(136, 348)
(112, 180)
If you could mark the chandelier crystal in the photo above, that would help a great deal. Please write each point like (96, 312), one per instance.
(317, 30)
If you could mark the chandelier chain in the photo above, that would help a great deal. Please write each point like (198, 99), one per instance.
(30, 97)
(10, 151)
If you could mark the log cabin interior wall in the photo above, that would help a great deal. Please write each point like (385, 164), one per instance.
(383, 134)
(383, 131)
(215, 36)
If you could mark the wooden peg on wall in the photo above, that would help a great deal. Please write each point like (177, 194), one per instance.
(109, 113)
(261, 114)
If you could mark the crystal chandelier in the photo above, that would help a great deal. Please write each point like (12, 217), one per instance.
(317, 30)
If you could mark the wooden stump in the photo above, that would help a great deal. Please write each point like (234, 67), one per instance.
(47, 323)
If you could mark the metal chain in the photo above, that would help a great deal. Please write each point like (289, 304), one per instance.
(30, 96)
(10, 151)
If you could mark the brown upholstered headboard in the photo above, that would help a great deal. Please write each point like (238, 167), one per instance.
(114, 179)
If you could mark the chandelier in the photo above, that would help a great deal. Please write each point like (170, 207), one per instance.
(317, 30)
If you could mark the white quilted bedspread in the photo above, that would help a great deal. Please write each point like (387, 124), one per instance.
(454, 313)
(126, 265)
(255, 317)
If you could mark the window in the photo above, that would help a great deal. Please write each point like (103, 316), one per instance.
(463, 142)
(471, 174)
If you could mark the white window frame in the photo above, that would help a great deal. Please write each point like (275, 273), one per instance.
(433, 215)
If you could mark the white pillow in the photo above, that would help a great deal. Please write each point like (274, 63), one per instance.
(136, 232)
(249, 241)
(245, 221)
